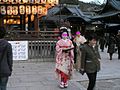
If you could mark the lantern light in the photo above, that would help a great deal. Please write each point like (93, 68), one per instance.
(25, 1)
(34, 9)
(15, 10)
(28, 10)
(3, 10)
(37, 1)
(43, 1)
(44, 11)
(39, 9)
(9, 10)
(22, 9)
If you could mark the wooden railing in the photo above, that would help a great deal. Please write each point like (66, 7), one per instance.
(28, 35)
(41, 50)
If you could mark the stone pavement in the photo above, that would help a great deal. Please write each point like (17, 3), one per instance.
(41, 76)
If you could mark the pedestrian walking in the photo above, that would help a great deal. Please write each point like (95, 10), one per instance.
(79, 40)
(111, 45)
(64, 60)
(6, 60)
(102, 43)
(90, 61)
(118, 43)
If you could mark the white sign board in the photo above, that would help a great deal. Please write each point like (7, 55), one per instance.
(20, 50)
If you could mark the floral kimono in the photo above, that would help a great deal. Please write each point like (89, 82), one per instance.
(64, 60)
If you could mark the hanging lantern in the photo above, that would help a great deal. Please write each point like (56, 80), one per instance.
(9, 10)
(37, 1)
(22, 9)
(18, 1)
(28, 10)
(3, 0)
(25, 1)
(5, 21)
(15, 22)
(3, 10)
(43, 1)
(11, 21)
(11, 1)
(15, 10)
(39, 10)
(34, 9)
(44, 11)
(49, 1)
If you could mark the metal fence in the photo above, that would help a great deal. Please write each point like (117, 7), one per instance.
(42, 50)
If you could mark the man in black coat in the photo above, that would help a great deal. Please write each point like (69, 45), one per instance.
(6, 60)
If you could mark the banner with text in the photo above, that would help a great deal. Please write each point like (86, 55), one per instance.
(20, 50)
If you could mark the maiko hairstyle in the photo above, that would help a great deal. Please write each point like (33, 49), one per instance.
(2, 32)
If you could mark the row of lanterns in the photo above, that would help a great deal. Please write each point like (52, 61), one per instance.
(15, 10)
(33, 8)
(29, 1)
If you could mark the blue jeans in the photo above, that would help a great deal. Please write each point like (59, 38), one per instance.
(3, 83)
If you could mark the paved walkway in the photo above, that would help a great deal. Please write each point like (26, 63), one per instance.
(40, 76)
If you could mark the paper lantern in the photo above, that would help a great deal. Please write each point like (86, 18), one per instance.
(5, 21)
(28, 10)
(3, 10)
(18, 1)
(34, 9)
(49, 1)
(11, 21)
(11, 1)
(37, 1)
(15, 10)
(9, 10)
(44, 11)
(4, 0)
(39, 10)
(43, 1)
(25, 1)
(22, 9)
(15, 22)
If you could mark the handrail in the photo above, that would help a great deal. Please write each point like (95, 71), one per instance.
(28, 35)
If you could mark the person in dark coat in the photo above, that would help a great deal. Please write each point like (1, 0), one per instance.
(102, 43)
(118, 43)
(6, 60)
(111, 45)
(90, 60)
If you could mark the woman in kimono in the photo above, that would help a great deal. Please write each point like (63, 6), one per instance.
(64, 59)
(79, 40)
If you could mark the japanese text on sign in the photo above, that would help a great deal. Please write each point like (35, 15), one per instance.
(20, 50)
